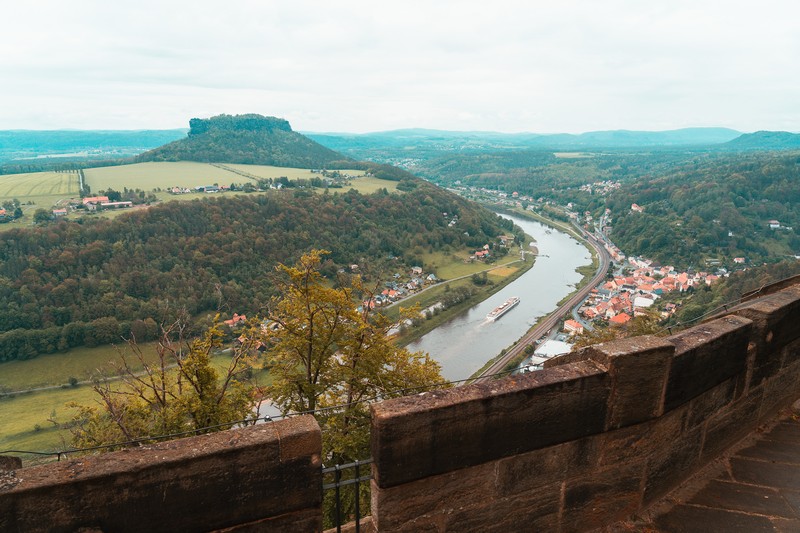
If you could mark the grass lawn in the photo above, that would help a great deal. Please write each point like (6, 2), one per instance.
(22, 413)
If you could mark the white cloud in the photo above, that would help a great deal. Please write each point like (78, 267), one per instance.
(364, 66)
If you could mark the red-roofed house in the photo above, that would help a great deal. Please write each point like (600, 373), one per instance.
(92, 201)
(95, 200)
(237, 318)
(573, 327)
(646, 287)
(620, 319)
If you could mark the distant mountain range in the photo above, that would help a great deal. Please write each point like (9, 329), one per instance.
(23, 145)
(483, 140)
(257, 139)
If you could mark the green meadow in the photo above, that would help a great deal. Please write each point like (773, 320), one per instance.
(25, 422)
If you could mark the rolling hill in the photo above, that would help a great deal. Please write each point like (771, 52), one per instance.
(765, 140)
(422, 143)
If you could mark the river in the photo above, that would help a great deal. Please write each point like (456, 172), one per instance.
(465, 343)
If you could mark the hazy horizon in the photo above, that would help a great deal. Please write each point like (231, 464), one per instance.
(433, 129)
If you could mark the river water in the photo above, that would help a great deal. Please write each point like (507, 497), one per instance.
(466, 342)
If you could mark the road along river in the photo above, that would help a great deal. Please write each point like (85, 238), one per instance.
(466, 342)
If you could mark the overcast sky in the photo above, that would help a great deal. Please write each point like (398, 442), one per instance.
(357, 66)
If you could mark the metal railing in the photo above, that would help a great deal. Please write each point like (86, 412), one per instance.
(345, 483)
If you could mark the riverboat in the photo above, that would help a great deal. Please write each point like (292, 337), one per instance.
(503, 308)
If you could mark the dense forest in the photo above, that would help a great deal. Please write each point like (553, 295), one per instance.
(88, 282)
(697, 206)
(707, 212)
(246, 139)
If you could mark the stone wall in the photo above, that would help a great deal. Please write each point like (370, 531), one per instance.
(594, 437)
(265, 477)
(590, 440)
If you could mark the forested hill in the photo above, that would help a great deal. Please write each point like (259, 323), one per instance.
(765, 140)
(699, 208)
(88, 282)
(246, 139)
(714, 209)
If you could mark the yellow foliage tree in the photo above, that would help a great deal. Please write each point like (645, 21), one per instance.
(181, 392)
(328, 356)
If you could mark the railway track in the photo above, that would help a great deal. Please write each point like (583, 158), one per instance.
(553, 318)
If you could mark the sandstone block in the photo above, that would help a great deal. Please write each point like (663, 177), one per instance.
(638, 370)
(602, 498)
(437, 432)
(672, 464)
(775, 318)
(706, 355)
(731, 425)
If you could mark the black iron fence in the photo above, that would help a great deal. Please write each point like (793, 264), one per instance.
(346, 494)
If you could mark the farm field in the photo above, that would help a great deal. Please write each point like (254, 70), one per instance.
(24, 424)
(265, 171)
(448, 265)
(36, 190)
(149, 176)
(38, 184)
(46, 190)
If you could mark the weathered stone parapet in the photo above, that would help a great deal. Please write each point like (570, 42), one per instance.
(260, 477)
(596, 436)
(638, 369)
(705, 356)
(437, 432)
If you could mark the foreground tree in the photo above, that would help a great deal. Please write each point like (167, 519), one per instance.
(181, 392)
(329, 357)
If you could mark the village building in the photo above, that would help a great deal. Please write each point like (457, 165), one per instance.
(237, 319)
(573, 327)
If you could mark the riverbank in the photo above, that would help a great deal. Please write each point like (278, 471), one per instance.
(465, 342)
(513, 355)
(495, 283)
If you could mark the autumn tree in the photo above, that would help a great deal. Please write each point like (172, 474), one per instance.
(180, 392)
(328, 356)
